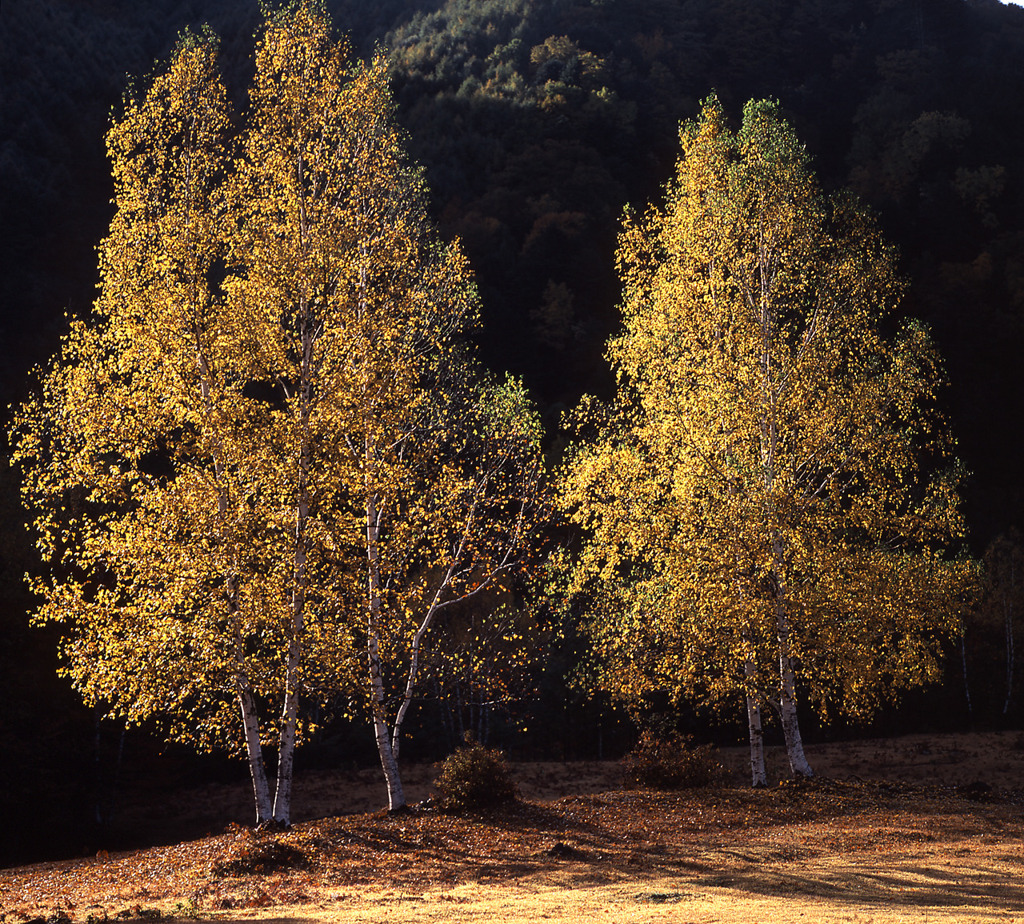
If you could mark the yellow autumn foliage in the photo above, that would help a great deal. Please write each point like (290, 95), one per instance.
(269, 460)
(770, 502)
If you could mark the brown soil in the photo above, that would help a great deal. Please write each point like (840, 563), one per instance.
(918, 828)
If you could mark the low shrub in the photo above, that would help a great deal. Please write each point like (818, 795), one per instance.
(670, 761)
(253, 853)
(474, 777)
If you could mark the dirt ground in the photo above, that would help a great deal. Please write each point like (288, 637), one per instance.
(910, 829)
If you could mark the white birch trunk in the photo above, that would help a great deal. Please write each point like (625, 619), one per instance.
(378, 698)
(388, 762)
(790, 724)
(769, 445)
(286, 752)
(254, 752)
(386, 742)
(388, 758)
(417, 647)
(246, 698)
(758, 774)
(410, 686)
(290, 707)
(787, 681)
(250, 716)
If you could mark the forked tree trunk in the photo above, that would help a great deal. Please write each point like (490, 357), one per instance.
(246, 698)
(250, 716)
(388, 758)
(290, 707)
(389, 763)
(417, 648)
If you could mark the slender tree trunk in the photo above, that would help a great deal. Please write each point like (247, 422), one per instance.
(417, 641)
(289, 720)
(770, 427)
(963, 664)
(290, 707)
(787, 681)
(378, 698)
(790, 724)
(250, 716)
(758, 774)
(410, 683)
(243, 688)
(286, 752)
(254, 752)
(388, 762)
(1008, 611)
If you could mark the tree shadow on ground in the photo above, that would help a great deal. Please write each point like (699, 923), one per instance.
(883, 884)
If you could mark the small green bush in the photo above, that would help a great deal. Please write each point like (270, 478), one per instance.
(670, 761)
(474, 777)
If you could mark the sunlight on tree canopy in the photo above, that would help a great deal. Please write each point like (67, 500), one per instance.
(770, 500)
(269, 460)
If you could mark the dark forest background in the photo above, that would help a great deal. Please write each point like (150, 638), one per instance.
(537, 121)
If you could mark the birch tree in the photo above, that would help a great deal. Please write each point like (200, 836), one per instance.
(415, 477)
(769, 502)
(139, 453)
(271, 449)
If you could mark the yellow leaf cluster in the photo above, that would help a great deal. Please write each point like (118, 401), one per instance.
(268, 453)
(772, 484)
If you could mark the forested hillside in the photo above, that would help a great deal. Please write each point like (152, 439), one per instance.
(536, 122)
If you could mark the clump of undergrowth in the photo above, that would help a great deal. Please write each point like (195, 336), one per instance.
(253, 852)
(670, 761)
(474, 777)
